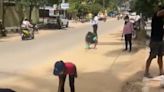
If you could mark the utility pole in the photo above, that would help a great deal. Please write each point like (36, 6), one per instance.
(1, 5)
(63, 1)
(3, 13)
(104, 4)
(1, 9)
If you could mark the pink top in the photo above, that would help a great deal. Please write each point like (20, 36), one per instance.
(128, 28)
(70, 68)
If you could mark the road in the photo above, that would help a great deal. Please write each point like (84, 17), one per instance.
(18, 56)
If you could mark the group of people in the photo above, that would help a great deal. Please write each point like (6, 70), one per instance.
(128, 31)
(156, 40)
(62, 69)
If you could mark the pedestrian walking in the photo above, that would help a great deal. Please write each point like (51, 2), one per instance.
(62, 69)
(156, 41)
(127, 33)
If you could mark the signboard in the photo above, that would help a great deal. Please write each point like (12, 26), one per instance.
(64, 5)
(55, 6)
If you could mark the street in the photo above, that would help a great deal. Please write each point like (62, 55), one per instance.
(18, 56)
(26, 66)
(129, 35)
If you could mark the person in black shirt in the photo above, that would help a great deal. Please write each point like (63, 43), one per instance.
(156, 41)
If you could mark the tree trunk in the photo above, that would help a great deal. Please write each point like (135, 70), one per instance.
(30, 12)
(3, 14)
(3, 31)
(35, 15)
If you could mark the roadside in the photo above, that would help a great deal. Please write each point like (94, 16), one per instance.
(105, 69)
(42, 32)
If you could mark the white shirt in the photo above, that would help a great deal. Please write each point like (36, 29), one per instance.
(26, 24)
(94, 21)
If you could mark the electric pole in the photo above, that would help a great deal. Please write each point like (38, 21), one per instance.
(63, 1)
(3, 13)
(104, 4)
(1, 9)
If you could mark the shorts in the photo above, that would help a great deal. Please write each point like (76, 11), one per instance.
(156, 49)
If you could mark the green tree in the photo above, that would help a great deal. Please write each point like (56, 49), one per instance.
(82, 7)
(146, 7)
(31, 4)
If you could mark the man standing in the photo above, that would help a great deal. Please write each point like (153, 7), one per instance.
(94, 23)
(156, 41)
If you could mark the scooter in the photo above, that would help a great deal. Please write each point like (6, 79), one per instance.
(26, 34)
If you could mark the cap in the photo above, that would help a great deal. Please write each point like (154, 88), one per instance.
(58, 68)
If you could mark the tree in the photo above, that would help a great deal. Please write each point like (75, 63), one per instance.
(31, 4)
(51, 2)
(149, 6)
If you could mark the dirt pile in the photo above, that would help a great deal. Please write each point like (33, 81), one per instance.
(134, 84)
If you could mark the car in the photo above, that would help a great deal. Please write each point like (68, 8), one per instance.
(58, 21)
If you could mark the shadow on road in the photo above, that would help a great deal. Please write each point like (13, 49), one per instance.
(115, 35)
(2, 41)
(118, 51)
(31, 83)
(136, 47)
(103, 81)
